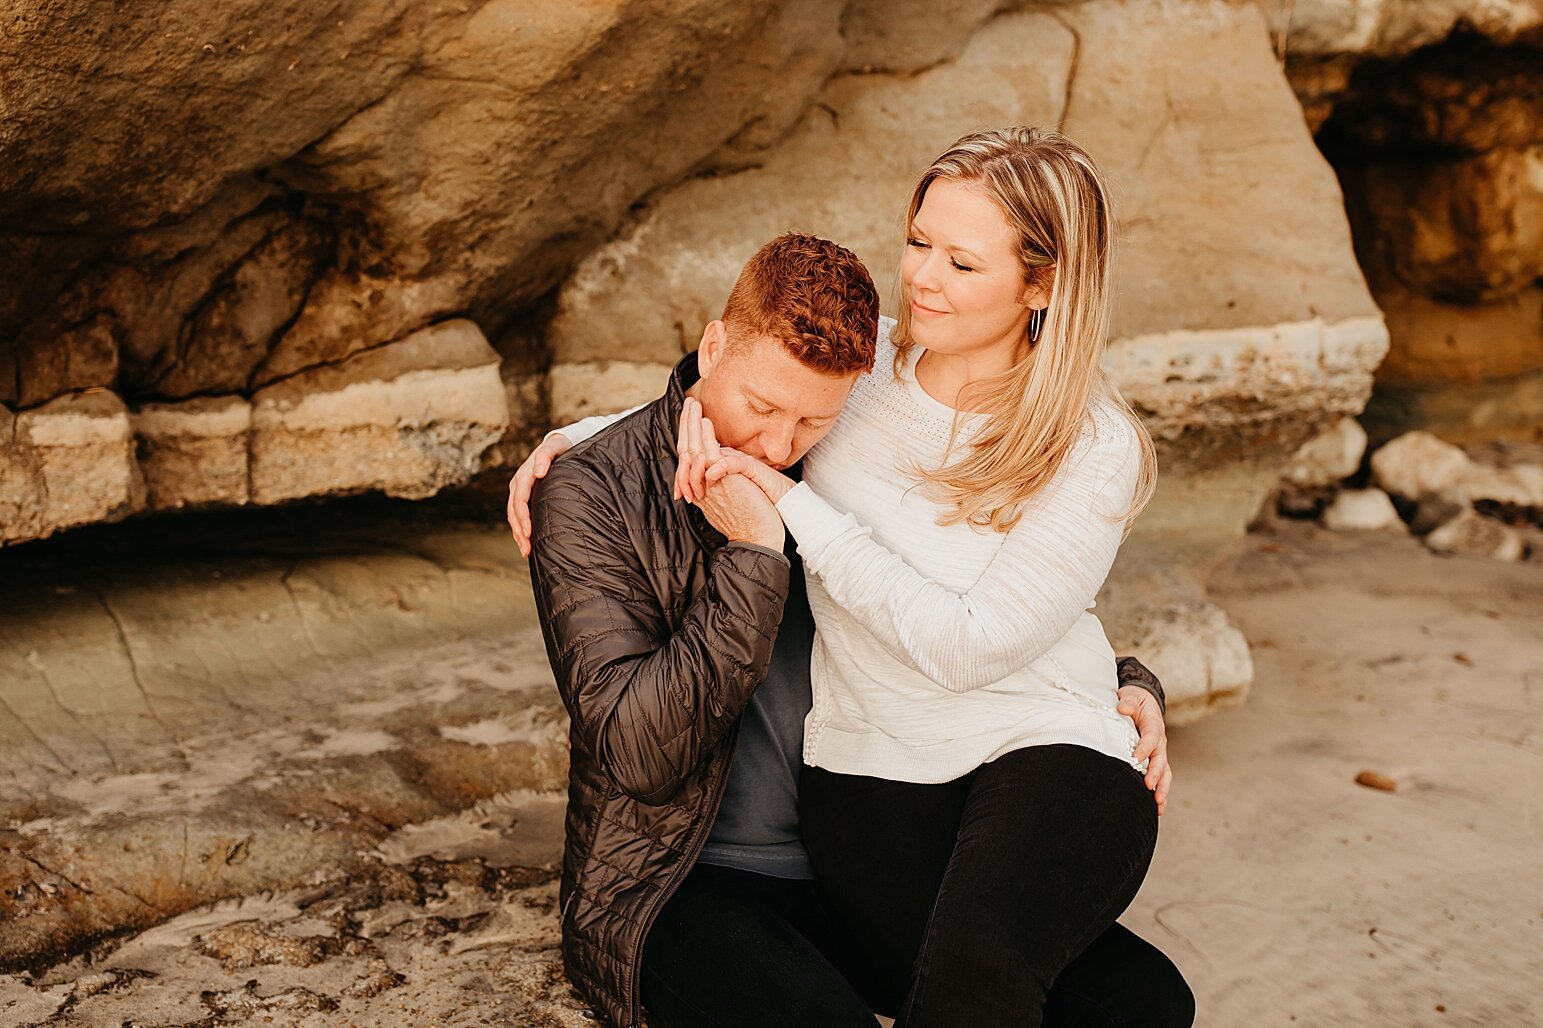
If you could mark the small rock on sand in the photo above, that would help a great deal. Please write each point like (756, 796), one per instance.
(1376, 780)
(1361, 510)
(1473, 535)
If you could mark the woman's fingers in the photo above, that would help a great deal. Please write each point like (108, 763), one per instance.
(524, 483)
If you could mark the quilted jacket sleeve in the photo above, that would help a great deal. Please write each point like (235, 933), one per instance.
(648, 700)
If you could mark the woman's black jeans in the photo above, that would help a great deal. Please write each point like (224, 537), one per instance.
(981, 900)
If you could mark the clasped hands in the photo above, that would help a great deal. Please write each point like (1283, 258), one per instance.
(734, 491)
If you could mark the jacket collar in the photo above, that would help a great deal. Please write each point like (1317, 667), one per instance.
(664, 419)
(664, 435)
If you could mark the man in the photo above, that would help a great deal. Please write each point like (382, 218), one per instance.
(680, 638)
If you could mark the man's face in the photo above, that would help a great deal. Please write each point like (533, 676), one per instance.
(762, 401)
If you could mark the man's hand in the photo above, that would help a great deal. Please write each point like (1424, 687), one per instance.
(1141, 706)
(734, 505)
(524, 482)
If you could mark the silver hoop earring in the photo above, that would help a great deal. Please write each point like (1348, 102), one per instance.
(1036, 323)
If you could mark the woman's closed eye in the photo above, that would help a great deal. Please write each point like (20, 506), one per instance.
(918, 244)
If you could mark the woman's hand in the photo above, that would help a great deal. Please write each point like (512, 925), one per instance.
(1141, 706)
(524, 483)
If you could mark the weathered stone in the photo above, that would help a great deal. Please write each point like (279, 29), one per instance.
(84, 356)
(1303, 502)
(407, 418)
(555, 87)
(1331, 455)
(579, 390)
(1329, 28)
(125, 117)
(21, 491)
(153, 299)
(241, 946)
(1519, 486)
(1465, 412)
(69, 462)
(885, 36)
(1201, 658)
(1471, 534)
(195, 452)
(1438, 344)
(1418, 463)
(1361, 510)
(231, 333)
(1468, 230)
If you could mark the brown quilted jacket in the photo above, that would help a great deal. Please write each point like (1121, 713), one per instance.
(658, 631)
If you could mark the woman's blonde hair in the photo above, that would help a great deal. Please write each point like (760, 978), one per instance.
(1058, 206)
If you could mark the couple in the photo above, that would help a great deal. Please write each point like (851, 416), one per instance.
(933, 797)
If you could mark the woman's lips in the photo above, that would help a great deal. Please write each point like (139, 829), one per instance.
(917, 308)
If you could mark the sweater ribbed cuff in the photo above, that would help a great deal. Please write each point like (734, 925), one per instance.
(813, 522)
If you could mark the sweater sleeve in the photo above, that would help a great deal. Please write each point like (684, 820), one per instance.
(1045, 575)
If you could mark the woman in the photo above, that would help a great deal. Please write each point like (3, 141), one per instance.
(973, 802)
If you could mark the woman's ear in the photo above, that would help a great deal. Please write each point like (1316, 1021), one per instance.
(709, 354)
(1037, 292)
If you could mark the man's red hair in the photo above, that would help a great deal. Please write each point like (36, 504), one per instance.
(814, 297)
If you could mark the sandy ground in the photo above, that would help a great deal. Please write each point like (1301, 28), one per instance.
(1287, 892)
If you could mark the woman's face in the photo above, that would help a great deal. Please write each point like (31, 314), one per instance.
(962, 275)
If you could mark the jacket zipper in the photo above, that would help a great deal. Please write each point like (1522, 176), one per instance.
(698, 842)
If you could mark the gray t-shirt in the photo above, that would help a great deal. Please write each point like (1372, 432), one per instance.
(757, 826)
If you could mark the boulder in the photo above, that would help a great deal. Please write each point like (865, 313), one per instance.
(408, 418)
(1519, 486)
(1331, 455)
(1471, 534)
(1418, 463)
(1361, 510)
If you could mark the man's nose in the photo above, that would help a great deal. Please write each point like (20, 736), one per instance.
(777, 444)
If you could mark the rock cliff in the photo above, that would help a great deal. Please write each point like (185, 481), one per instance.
(271, 251)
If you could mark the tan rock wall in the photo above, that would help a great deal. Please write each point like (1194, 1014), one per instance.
(293, 296)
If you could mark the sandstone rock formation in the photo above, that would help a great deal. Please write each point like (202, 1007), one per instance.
(200, 206)
(1433, 115)
(262, 283)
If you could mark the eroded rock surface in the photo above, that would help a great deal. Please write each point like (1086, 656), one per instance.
(1430, 113)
